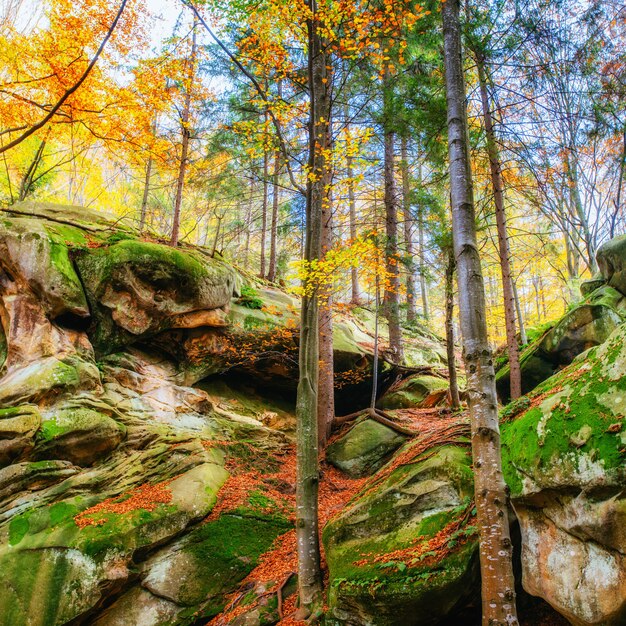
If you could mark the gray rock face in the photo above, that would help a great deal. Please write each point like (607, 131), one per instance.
(611, 257)
(587, 325)
(374, 577)
(564, 461)
(364, 449)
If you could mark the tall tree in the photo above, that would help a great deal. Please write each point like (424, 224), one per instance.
(185, 129)
(498, 584)
(392, 293)
(307, 483)
(497, 184)
(411, 312)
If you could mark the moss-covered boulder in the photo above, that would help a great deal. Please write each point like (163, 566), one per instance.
(588, 324)
(411, 392)
(37, 256)
(404, 550)
(138, 289)
(209, 562)
(47, 378)
(611, 257)
(364, 448)
(564, 456)
(56, 562)
(77, 434)
(18, 426)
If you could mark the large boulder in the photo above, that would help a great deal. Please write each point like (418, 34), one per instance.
(138, 289)
(586, 325)
(18, 426)
(35, 255)
(611, 257)
(564, 458)
(404, 551)
(77, 434)
(364, 448)
(56, 562)
(414, 391)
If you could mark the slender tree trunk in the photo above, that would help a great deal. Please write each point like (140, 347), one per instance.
(246, 251)
(503, 240)
(307, 483)
(217, 233)
(454, 384)
(518, 307)
(354, 272)
(620, 184)
(186, 135)
(146, 185)
(326, 383)
(392, 290)
(264, 210)
(411, 312)
(422, 260)
(498, 584)
(146, 194)
(27, 181)
(271, 272)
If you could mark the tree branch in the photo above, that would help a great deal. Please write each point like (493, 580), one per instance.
(72, 89)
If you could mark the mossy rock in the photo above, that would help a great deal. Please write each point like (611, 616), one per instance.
(587, 287)
(370, 581)
(210, 561)
(78, 434)
(364, 448)
(611, 258)
(588, 324)
(139, 606)
(87, 219)
(137, 289)
(564, 458)
(18, 426)
(39, 257)
(53, 570)
(564, 438)
(47, 378)
(411, 392)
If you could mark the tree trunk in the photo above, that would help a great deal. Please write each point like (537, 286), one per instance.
(27, 181)
(498, 584)
(146, 194)
(246, 251)
(518, 307)
(392, 288)
(354, 272)
(454, 385)
(264, 210)
(503, 240)
(186, 135)
(411, 312)
(326, 383)
(422, 259)
(271, 272)
(307, 482)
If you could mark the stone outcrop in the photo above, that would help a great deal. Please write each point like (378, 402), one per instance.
(565, 461)
(587, 325)
(404, 551)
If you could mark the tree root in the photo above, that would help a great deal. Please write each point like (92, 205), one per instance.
(378, 416)
(279, 593)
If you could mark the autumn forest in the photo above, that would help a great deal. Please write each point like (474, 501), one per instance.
(312, 312)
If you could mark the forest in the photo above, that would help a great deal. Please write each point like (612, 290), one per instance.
(312, 312)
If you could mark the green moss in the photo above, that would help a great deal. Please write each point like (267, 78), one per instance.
(250, 298)
(224, 552)
(543, 443)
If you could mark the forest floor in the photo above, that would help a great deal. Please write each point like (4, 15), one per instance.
(276, 567)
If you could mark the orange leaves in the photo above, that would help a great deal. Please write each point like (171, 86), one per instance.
(145, 497)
